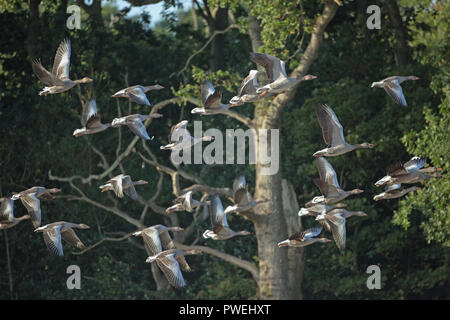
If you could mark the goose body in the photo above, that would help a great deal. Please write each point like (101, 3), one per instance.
(333, 135)
(303, 239)
(276, 72)
(221, 229)
(393, 191)
(180, 138)
(328, 185)
(392, 87)
(410, 172)
(41, 193)
(319, 208)
(211, 100)
(33, 205)
(186, 202)
(54, 232)
(58, 80)
(121, 184)
(137, 93)
(91, 121)
(135, 123)
(167, 261)
(242, 199)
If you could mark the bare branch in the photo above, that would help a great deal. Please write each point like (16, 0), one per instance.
(244, 264)
(101, 241)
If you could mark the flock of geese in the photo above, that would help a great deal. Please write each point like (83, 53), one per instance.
(325, 208)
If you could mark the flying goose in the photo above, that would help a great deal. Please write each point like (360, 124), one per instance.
(242, 198)
(121, 184)
(137, 93)
(221, 230)
(333, 135)
(157, 237)
(7, 218)
(41, 193)
(33, 205)
(58, 80)
(392, 86)
(328, 185)
(305, 238)
(53, 233)
(185, 202)
(393, 191)
(409, 172)
(167, 261)
(134, 122)
(90, 119)
(276, 72)
(319, 208)
(247, 90)
(180, 138)
(334, 221)
(211, 100)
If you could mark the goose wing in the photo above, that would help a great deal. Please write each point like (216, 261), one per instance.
(168, 244)
(394, 90)
(397, 170)
(218, 217)
(128, 187)
(179, 130)
(138, 128)
(249, 84)
(337, 225)
(52, 239)
(309, 233)
(90, 117)
(275, 68)
(117, 185)
(136, 94)
(70, 237)
(393, 188)
(326, 172)
(332, 130)
(33, 206)
(152, 240)
(171, 269)
(211, 98)
(46, 77)
(326, 189)
(414, 164)
(6, 209)
(62, 60)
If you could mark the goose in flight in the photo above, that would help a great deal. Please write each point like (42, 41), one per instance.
(58, 80)
(211, 100)
(54, 232)
(334, 221)
(7, 218)
(319, 208)
(276, 72)
(247, 90)
(241, 197)
(186, 202)
(180, 138)
(221, 229)
(41, 193)
(157, 238)
(392, 86)
(393, 191)
(305, 238)
(167, 261)
(121, 184)
(137, 93)
(328, 185)
(33, 205)
(333, 134)
(410, 172)
(90, 119)
(134, 122)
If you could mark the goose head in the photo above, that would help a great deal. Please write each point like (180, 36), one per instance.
(83, 226)
(303, 212)
(177, 229)
(139, 182)
(198, 111)
(86, 80)
(309, 77)
(379, 197)
(383, 181)
(366, 145)
(207, 138)
(117, 122)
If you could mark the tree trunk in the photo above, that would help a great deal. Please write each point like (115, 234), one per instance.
(219, 23)
(401, 53)
(33, 28)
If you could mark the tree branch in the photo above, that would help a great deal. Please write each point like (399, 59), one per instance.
(241, 263)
